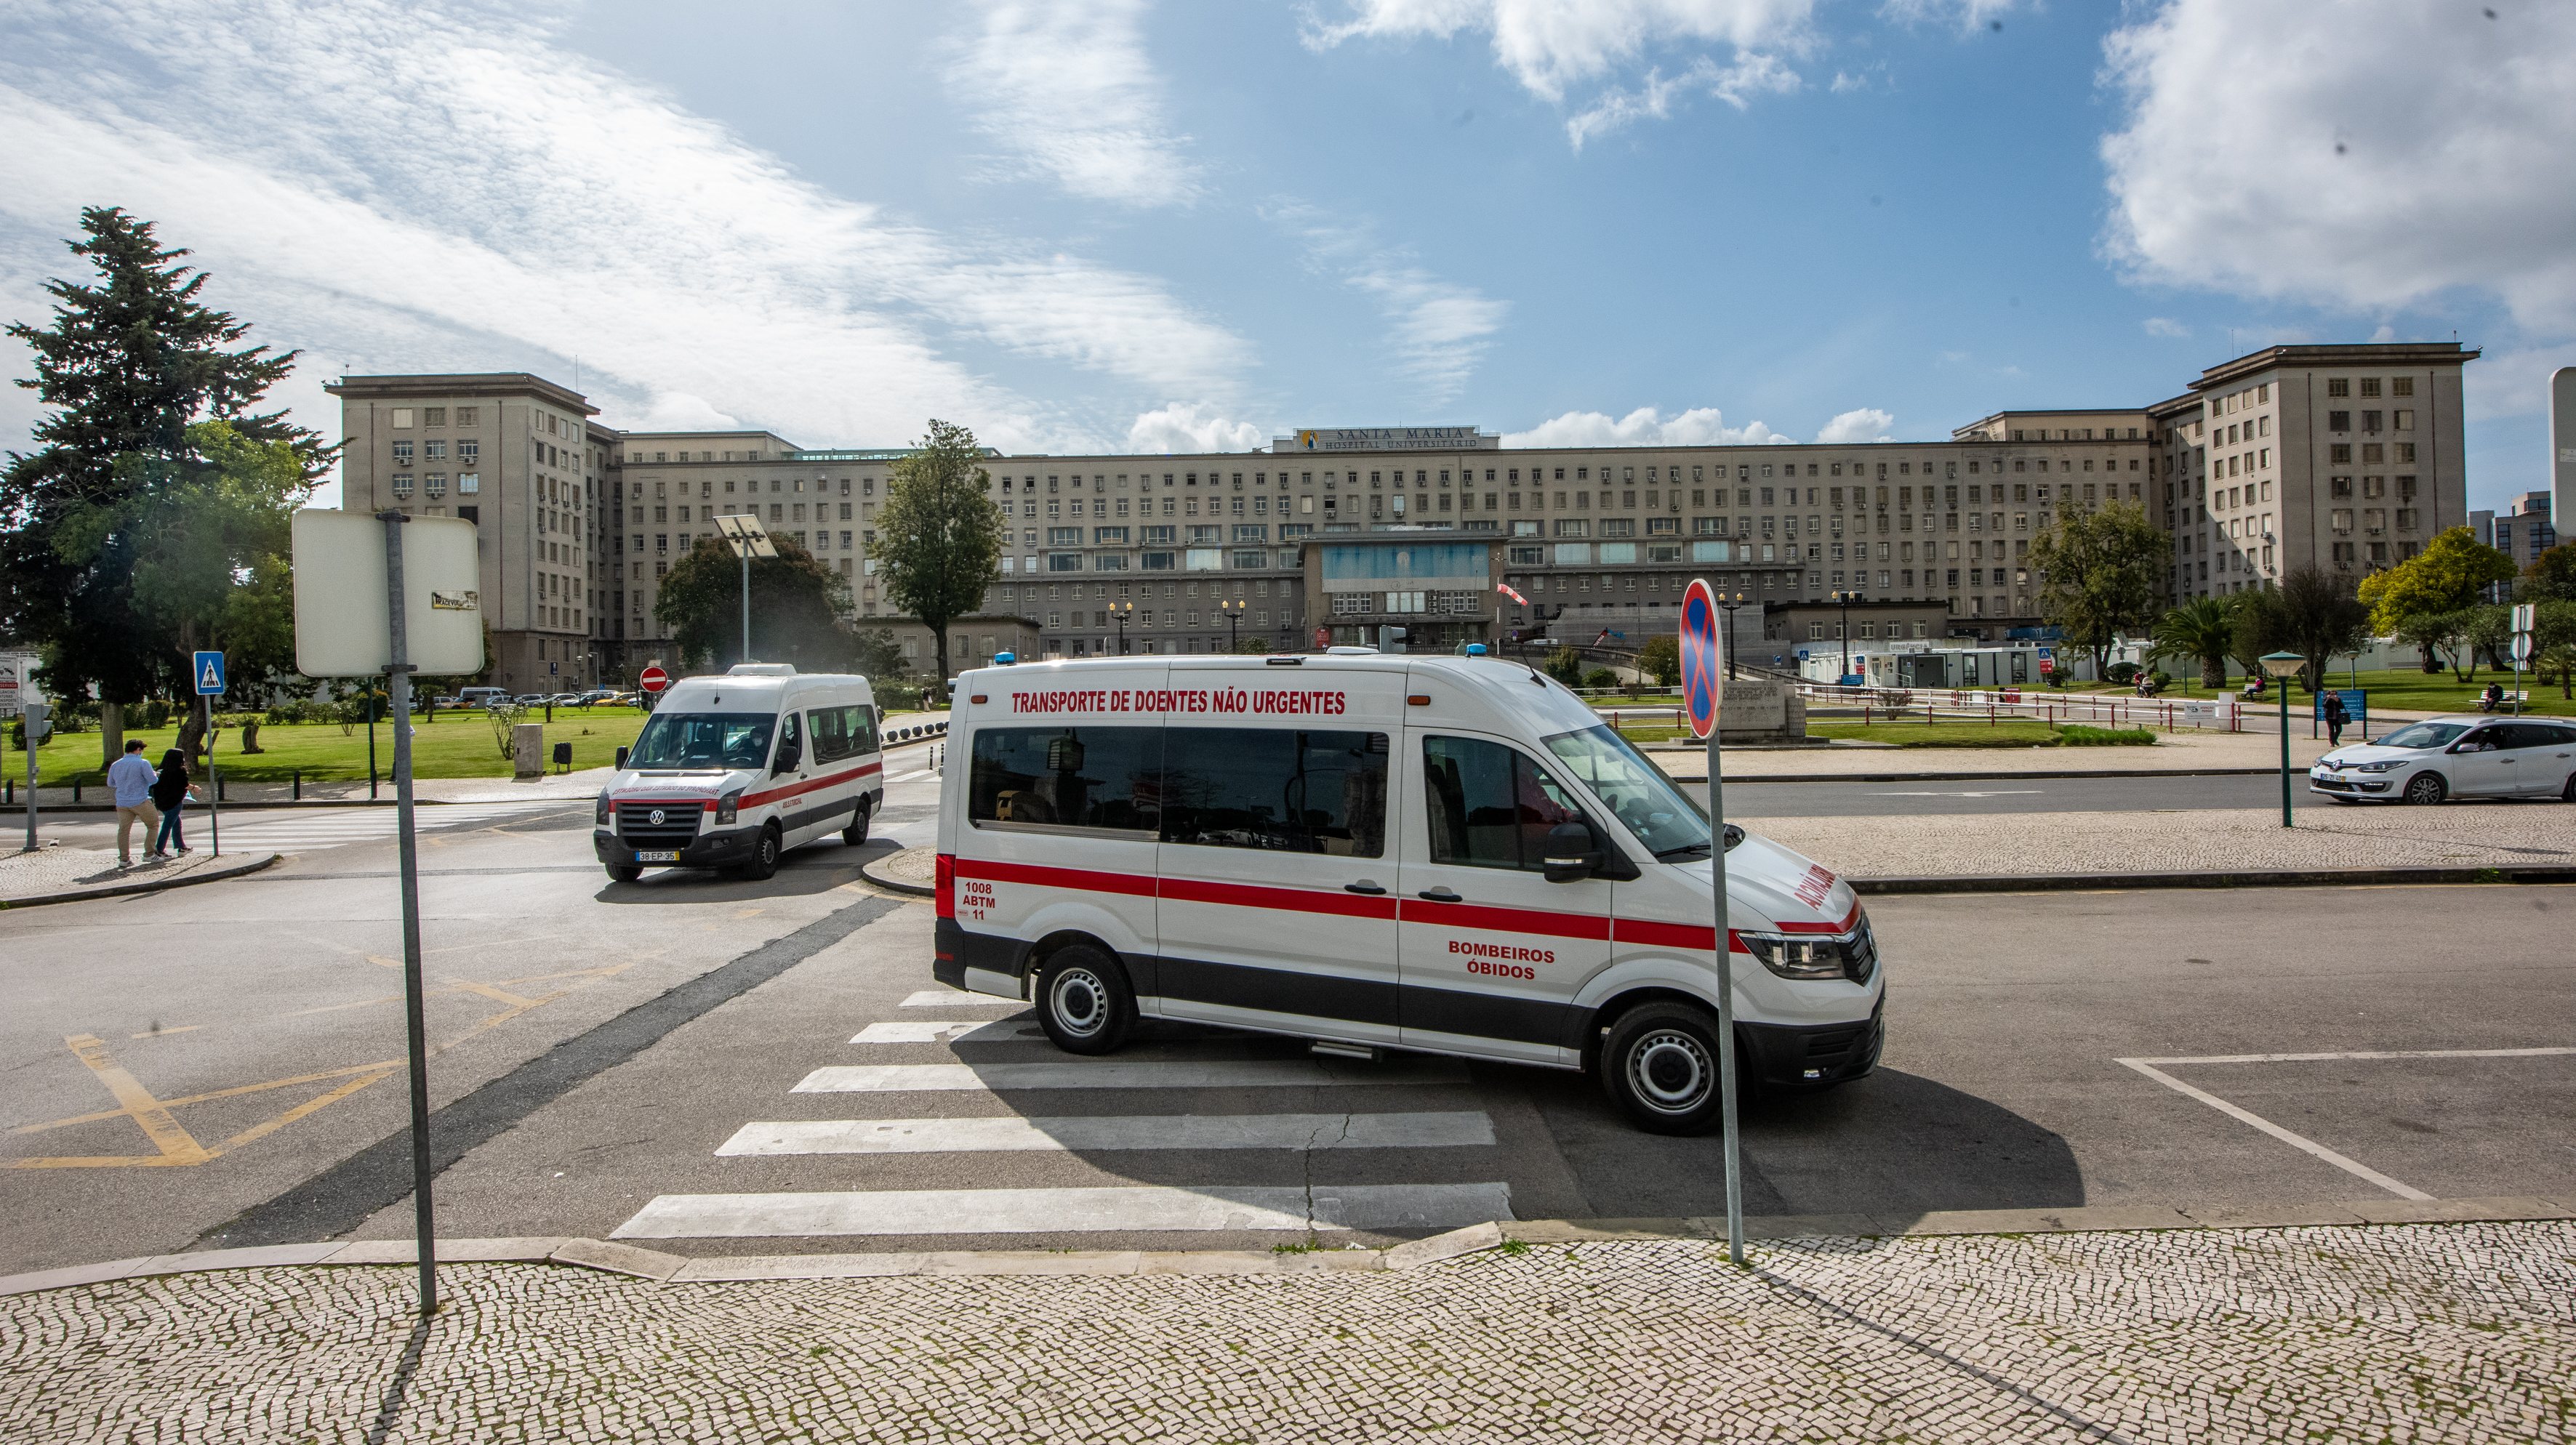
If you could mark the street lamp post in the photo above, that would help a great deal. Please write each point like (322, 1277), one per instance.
(1118, 613)
(1844, 627)
(2282, 666)
(1728, 603)
(1233, 610)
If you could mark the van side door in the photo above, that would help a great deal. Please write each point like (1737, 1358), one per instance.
(1491, 954)
(845, 769)
(1278, 901)
(785, 788)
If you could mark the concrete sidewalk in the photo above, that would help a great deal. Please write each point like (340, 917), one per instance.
(2182, 752)
(2423, 1332)
(69, 875)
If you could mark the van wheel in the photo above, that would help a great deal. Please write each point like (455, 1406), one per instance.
(2426, 788)
(624, 872)
(764, 857)
(1084, 1001)
(1660, 1063)
(857, 832)
(2568, 794)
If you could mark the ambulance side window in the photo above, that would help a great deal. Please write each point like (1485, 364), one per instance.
(1068, 777)
(1490, 806)
(840, 732)
(1282, 789)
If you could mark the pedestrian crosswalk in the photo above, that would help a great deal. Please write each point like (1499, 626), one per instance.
(1010, 1117)
(310, 830)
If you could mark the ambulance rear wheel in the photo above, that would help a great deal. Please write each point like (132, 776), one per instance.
(1660, 1064)
(1084, 1000)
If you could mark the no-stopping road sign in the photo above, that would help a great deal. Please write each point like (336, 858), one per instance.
(1703, 659)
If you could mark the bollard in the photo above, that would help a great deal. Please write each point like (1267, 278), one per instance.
(299, 785)
(76, 790)
(219, 787)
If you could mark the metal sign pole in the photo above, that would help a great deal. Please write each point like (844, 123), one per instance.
(214, 792)
(414, 1008)
(1725, 1005)
(34, 720)
(745, 550)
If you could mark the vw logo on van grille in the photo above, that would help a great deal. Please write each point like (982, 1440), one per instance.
(653, 817)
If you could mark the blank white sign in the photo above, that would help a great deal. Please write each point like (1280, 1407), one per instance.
(343, 625)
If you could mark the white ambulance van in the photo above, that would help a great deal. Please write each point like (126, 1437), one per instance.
(732, 771)
(1450, 855)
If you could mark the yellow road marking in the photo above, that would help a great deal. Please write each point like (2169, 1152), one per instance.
(176, 1144)
(318, 1102)
(185, 1028)
(239, 1089)
(498, 995)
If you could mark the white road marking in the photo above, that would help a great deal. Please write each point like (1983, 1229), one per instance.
(2300, 1142)
(1065, 1211)
(926, 1031)
(1995, 793)
(1150, 1074)
(2535, 1053)
(956, 998)
(1126, 1131)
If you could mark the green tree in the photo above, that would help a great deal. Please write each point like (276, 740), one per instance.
(2202, 630)
(799, 608)
(127, 363)
(1661, 659)
(1566, 666)
(2312, 614)
(2098, 573)
(876, 654)
(2551, 577)
(206, 551)
(2438, 636)
(2554, 641)
(939, 537)
(2450, 574)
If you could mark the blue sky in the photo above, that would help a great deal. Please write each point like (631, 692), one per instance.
(1124, 225)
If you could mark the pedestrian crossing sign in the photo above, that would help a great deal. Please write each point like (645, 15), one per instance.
(210, 673)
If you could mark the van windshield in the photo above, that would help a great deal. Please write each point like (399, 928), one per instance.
(703, 741)
(1664, 818)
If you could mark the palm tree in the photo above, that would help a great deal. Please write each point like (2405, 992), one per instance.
(2202, 630)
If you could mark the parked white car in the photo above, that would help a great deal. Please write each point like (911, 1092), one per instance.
(2467, 756)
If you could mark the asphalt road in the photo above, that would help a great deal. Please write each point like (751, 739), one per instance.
(215, 1066)
(2006, 795)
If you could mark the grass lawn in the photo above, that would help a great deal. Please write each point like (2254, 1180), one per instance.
(453, 745)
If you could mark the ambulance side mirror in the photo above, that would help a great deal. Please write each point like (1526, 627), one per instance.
(1572, 853)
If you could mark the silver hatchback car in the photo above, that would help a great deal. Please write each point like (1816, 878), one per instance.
(2466, 756)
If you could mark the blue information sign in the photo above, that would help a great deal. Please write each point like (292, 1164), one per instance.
(209, 669)
(1703, 663)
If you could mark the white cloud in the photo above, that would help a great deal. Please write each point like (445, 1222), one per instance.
(2163, 326)
(1861, 424)
(515, 203)
(1183, 427)
(1752, 75)
(2371, 162)
(1646, 426)
(1553, 46)
(1441, 328)
(1067, 85)
(1966, 14)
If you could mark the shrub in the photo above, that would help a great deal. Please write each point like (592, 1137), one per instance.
(1565, 665)
(1602, 677)
(2077, 735)
(2119, 673)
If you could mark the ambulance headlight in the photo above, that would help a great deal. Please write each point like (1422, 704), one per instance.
(1808, 956)
(726, 805)
(602, 815)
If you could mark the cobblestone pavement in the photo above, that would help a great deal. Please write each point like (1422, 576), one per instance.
(2505, 834)
(2419, 1333)
(50, 871)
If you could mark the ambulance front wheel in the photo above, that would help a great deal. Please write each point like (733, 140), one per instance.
(1084, 1000)
(763, 863)
(1660, 1064)
(857, 832)
(624, 872)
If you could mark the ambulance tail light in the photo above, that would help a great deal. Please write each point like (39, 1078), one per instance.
(944, 885)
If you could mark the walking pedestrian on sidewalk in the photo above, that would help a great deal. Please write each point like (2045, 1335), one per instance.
(170, 793)
(131, 777)
(2336, 717)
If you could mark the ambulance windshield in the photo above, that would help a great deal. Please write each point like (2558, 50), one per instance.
(1663, 817)
(702, 741)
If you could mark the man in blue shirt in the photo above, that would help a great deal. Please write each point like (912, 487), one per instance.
(132, 778)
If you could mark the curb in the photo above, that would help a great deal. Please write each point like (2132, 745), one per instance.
(887, 881)
(612, 1257)
(215, 874)
(1956, 777)
(2218, 878)
(567, 799)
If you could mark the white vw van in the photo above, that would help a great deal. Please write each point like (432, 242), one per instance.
(1445, 854)
(732, 771)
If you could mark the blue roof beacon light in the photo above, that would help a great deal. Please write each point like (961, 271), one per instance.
(1475, 649)
(1004, 659)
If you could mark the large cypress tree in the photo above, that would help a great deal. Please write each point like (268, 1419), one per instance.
(128, 363)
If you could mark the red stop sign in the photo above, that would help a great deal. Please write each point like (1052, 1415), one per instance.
(653, 678)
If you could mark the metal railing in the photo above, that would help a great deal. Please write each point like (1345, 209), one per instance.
(1896, 704)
